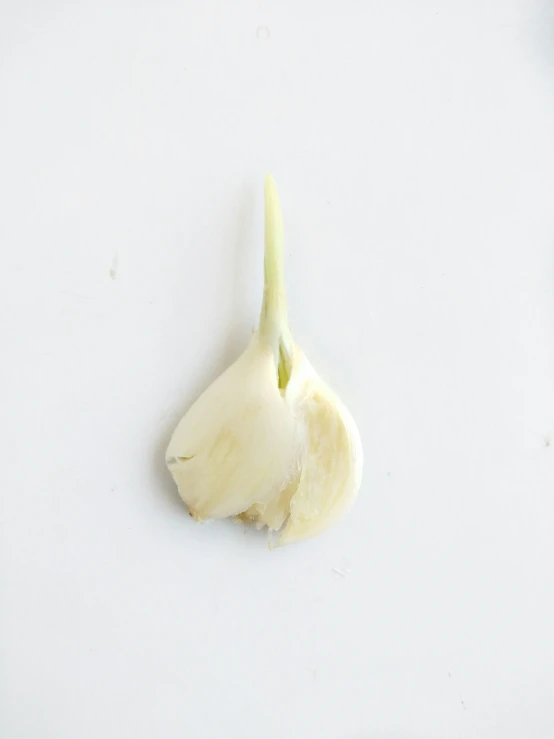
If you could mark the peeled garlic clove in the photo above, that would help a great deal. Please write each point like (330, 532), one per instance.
(331, 467)
(236, 446)
(268, 441)
(331, 461)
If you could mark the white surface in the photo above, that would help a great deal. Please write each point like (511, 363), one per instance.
(413, 147)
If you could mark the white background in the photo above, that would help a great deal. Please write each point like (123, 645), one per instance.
(413, 145)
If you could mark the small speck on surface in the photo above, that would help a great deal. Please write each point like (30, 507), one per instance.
(341, 572)
(114, 267)
(262, 33)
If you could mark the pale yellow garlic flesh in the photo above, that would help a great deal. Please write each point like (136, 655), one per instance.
(268, 442)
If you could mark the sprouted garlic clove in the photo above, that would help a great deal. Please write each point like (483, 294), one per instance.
(268, 441)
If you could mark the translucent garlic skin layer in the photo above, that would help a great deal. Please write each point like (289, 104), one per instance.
(268, 441)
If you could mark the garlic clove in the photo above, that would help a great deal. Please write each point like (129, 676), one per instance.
(268, 442)
(332, 462)
(236, 446)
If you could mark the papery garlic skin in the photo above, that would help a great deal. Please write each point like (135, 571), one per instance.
(268, 441)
